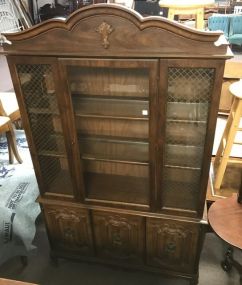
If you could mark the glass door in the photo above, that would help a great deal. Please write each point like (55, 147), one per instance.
(111, 102)
(186, 105)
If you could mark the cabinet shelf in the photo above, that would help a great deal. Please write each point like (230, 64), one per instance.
(117, 188)
(114, 160)
(113, 108)
(186, 121)
(101, 97)
(183, 155)
(51, 154)
(119, 149)
(182, 167)
(107, 126)
(112, 117)
(43, 111)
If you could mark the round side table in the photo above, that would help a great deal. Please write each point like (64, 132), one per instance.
(225, 218)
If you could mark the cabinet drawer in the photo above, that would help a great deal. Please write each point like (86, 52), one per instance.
(69, 229)
(119, 237)
(172, 244)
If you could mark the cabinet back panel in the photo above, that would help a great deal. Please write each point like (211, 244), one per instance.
(113, 127)
(110, 107)
(127, 189)
(116, 168)
(112, 82)
(102, 148)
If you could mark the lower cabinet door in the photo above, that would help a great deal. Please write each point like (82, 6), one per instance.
(119, 237)
(172, 244)
(69, 229)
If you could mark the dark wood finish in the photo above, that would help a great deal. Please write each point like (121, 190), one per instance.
(224, 216)
(120, 113)
(119, 237)
(168, 243)
(69, 229)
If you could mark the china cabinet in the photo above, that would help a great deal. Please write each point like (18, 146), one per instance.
(119, 113)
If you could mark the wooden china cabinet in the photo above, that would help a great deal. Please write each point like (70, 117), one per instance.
(119, 113)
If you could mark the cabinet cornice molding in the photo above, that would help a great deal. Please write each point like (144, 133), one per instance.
(130, 32)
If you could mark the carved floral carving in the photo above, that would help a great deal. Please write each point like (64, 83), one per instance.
(105, 30)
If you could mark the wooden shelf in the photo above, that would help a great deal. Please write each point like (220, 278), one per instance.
(114, 149)
(117, 188)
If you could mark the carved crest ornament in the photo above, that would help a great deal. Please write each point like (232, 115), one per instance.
(105, 30)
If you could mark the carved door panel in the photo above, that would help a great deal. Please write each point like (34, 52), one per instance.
(172, 244)
(119, 237)
(69, 229)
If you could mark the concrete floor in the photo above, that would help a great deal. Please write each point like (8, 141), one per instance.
(40, 269)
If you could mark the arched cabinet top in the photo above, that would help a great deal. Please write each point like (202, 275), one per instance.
(109, 30)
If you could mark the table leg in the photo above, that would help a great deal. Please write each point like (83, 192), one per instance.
(229, 262)
(200, 19)
(171, 14)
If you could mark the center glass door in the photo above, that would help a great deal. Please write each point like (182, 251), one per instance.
(112, 103)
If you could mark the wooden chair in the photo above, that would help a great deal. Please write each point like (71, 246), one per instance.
(7, 128)
(229, 136)
(9, 106)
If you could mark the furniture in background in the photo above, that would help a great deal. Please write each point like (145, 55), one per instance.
(187, 7)
(219, 23)
(229, 136)
(57, 10)
(230, 24)
(7, 129)
(224, 217)
(235, 30)
(150, 8)
(232, 73)
(9, 107)
(237, 9)
(126, 3)
(120, 122)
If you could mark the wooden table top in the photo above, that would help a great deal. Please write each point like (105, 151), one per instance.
(233, 69)
(225, 218)
(13, 282)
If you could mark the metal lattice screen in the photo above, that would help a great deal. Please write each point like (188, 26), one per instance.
(40, 100)
(188, 103)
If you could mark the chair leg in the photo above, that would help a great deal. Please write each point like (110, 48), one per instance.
(229, 143)
(10, 151)
(13, 145)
